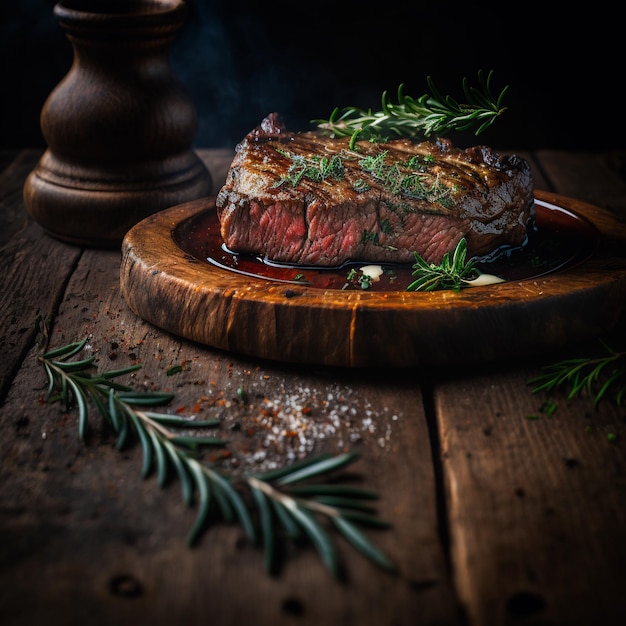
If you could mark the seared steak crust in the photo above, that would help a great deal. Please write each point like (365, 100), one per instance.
(305, 199)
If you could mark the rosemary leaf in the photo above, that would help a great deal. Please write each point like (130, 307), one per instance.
(361, 543)
(318, 537)
(74, 366)
(82, 407)
(181, 471)
(145, 398)
(66, 351)
(267, 530)
(231, 494)
(321, 466)
(293, 529)
(161, 459)
(51, 379)
(145, 444)
(276, 474)
(120, 372)
(203, 500)
(98, 399)
(102, 383)
(122, 433)
(223, 503)
(606, 386)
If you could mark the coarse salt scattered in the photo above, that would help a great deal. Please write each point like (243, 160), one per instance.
(293, 425)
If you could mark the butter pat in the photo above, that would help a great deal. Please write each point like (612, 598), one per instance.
(373, 272)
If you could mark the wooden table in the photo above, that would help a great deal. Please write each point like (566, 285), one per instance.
(497, 517)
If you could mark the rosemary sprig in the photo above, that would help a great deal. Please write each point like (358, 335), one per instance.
(454, 272)
(419, 117)
(280, 499)
(286, 504)
(593, 375)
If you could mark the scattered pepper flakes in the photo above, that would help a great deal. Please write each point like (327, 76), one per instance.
(181, 409)
(219, 456)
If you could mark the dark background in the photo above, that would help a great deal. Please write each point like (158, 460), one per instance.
(241, 60)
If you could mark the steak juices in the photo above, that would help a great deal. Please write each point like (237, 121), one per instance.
(306, 199)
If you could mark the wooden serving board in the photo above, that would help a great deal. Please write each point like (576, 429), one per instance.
(253, 316)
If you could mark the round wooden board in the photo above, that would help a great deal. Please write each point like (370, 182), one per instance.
(251, 316)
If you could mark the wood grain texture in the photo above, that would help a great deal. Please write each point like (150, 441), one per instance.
(31, 287)
(261, 318)
(535, 505)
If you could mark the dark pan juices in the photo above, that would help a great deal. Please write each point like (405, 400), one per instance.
(560, 240)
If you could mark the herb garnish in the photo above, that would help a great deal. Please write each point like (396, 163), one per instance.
(286, 504)
(418, 117)
(454, 272)
(314, 168)
(410, 178)
(595, 375)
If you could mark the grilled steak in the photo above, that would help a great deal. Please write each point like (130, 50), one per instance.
(306, 199)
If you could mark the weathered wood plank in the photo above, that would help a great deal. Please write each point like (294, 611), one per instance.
(34, 271)
(15, 167)
(536, 507)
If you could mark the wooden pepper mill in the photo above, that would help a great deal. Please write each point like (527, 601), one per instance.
(119, 127)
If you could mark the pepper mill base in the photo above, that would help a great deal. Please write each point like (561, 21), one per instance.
(97, 208)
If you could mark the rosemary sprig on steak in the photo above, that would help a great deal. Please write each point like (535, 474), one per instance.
(454, 272)
(419, 117)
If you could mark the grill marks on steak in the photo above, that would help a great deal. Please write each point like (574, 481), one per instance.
(305, 199)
